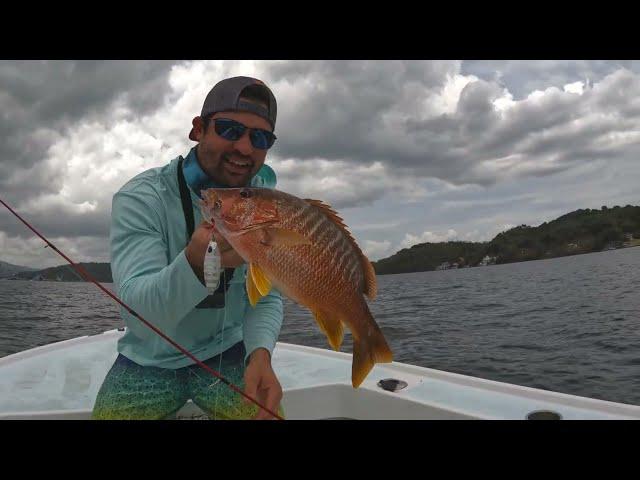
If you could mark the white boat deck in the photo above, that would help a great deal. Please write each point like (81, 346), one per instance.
(62, 380)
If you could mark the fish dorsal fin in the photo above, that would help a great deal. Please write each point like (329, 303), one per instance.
(370, 282)
(329, 212)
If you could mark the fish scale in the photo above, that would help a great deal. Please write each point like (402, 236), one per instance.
(316, 225)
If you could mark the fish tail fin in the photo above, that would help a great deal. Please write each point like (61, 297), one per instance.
(368, 350)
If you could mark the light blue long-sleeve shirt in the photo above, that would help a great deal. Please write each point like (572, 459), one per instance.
(152, 275)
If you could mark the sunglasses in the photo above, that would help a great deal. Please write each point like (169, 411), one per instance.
(233, 131)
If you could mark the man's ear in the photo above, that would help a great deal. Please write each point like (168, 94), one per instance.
(197, 131)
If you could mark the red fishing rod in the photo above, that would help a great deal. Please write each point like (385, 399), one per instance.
(84, 274)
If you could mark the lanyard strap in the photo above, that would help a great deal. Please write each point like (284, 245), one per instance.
(187, 206)
(217, 299)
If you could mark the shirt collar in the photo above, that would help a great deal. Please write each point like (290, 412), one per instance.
(195, 177)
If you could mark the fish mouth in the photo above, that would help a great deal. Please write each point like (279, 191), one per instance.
(210, 205)
(210, 196)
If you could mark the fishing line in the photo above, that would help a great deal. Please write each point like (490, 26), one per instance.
(224, 319)
(89, 278)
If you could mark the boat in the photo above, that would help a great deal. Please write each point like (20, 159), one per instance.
(60, 381)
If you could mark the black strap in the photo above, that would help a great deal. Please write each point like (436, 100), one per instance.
(217, 299)
(187, 206)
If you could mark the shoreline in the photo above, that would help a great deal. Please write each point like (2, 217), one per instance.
(377, 274)
(511, 263)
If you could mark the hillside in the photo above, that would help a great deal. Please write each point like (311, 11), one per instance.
(429, 256)
(65, 273)
(8, 269)
(581, 231)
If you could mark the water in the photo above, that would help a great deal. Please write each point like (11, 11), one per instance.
(570, 324)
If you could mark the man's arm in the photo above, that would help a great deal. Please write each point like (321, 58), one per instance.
(261, 329)
(160, 290)
(262, 323)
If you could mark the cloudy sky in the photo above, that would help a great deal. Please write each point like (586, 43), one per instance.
(406, 151)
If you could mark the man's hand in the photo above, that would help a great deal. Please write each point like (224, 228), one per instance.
(262, 384)
(197, 249)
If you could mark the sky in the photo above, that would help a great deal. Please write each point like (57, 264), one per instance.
(406, 151)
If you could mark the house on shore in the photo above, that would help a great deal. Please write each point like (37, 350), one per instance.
(487, 260)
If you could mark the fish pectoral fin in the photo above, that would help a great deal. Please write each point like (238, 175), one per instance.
(283, 237)
(252, 290)
(332, 328)
(260, 280)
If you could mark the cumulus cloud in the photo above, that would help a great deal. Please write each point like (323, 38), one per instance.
(428, 237)
(439, 123)
(31, 251)
(40, 99)
(375, 250)
(522, 77)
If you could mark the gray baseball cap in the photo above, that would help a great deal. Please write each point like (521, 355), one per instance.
(225, 97)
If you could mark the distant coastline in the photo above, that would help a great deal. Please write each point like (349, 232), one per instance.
(66, 273)
(578, 232)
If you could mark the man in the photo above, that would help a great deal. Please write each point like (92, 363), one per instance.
(157, 261)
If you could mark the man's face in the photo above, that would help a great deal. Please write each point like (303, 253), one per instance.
(226, 162)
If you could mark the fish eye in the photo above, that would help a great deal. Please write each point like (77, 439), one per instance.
(217, 204)
(245, 193)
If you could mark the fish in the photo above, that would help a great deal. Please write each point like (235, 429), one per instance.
(303, 249)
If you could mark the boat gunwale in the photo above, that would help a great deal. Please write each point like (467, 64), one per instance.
(469, 381)
(421, 374)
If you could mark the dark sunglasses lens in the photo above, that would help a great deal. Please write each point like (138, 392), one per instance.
(233, 131)
(228, 129)
(262, 139)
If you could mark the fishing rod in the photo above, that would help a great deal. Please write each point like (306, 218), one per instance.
(84, 274)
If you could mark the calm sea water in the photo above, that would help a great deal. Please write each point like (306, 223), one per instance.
(570, 324)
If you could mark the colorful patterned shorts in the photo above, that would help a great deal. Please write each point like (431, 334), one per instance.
(133, 392)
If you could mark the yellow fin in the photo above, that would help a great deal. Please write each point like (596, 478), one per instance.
(369, 347)
(332, 328)
(282, 237)
(366, 353)
(260, 280)
(252, 290)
